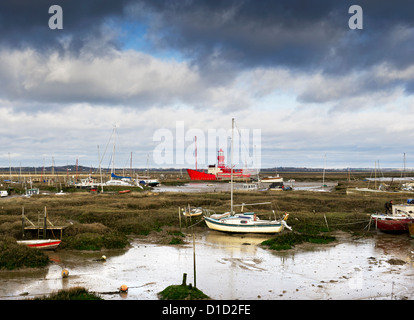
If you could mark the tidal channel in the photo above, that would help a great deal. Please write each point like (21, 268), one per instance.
(230, 267)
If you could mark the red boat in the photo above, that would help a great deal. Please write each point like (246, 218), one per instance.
(48, 244)
(219, 172)
(398, 221)
(392, 224)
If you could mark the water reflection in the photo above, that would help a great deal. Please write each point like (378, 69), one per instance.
(232, 267)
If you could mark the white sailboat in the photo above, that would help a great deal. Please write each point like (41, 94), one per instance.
(247, 222)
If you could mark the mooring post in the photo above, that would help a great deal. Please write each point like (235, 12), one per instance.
(23, 221)
(45, 225)
(326, 221)
(194, 259)
(179, 216)
(369, 224)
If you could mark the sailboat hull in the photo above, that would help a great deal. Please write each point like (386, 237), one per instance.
(240, 227)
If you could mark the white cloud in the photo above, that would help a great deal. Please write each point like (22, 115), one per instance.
(123, 77)
(65, 105)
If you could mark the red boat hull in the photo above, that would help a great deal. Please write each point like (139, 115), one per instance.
(392, 225)
(200, 175)
(41, 244)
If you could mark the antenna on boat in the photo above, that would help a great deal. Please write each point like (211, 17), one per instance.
(195, 155)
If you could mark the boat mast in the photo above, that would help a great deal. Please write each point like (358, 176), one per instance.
(195, 141)
(323, 176)
(231, 166)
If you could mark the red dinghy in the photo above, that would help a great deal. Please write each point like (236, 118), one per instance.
(47, 244)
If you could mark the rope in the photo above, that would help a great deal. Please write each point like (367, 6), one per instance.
(341, 224)
(202, 219)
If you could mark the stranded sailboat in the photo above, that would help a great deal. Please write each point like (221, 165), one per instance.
(247, 222)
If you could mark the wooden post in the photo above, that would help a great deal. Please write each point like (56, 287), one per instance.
(184, 279)
(23, 221)
(326, 221)
(370, 221)
(45, 225)
(179, 216)
(194, 259)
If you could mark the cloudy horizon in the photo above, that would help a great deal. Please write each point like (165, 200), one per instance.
(320, 93)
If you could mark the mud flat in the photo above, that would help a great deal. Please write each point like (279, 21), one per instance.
(232, 267)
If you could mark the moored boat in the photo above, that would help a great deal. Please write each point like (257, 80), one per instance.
(219, 171)
(149, 182)
(272, 179)
(46, 244)
(192, 212)
(247, 222)
(387, 223)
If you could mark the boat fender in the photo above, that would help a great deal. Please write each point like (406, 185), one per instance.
(123, 288)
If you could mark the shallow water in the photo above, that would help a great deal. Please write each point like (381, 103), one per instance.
(232, 267)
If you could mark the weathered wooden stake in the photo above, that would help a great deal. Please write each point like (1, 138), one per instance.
(326, 221)
(194, 258)
(179, 216)
(45, 225)
(23, 221)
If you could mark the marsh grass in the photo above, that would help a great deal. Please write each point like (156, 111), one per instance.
(182, 292)
(15, 256)
(288, 240)
(97, 221)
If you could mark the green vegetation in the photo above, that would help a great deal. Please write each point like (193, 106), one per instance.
(286, 241)
(182, 292)
(14, 256)
(92, 237)
(177, 237)
(75, 293)
(97, 221)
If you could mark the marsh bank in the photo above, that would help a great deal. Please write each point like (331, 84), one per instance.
(149, 266)
(231, 267)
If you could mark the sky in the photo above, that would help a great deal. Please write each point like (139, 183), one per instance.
(145, 77)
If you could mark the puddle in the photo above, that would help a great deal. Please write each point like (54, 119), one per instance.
(232, 267)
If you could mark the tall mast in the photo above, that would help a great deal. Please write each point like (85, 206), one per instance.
(195, 141)
(231, 165)
(113, 152)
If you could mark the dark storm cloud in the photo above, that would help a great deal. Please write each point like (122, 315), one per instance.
(243, 33)
(222, 37)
